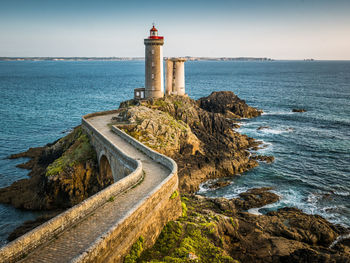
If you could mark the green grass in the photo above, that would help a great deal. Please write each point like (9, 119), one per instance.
(135, 251)
(111, 199)
(174, 195)
(79, 152)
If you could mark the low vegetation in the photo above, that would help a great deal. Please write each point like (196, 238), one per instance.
(79, 152)
(191, 238)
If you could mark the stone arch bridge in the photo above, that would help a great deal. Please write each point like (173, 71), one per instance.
(103, 227)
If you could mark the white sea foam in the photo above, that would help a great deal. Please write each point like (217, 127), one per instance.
(277, 113)
(276, 131)
(342, 193)
(254, 211)
(265, 147)
(340, 238)
(235, 191)
(203, 187)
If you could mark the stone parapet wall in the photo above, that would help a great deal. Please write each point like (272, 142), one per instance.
(121, 164)
(147, 218)
(20, 247)
(160, 158)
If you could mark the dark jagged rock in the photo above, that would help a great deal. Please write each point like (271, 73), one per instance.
(298, 110)
(256, 197)
(219, 184)
(228, 104)
(263, 158)
(263, 128)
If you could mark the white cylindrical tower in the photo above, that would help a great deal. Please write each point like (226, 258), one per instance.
(169, 68)
(154, 83)
(179, 72)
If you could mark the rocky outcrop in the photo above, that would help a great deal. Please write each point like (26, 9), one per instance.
(62, 174)
(201, 139)
(263, 158)
(228, 104)
(298, 110)
(159, 130)
(220, 230)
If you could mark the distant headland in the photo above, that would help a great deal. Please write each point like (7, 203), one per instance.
(188, 58)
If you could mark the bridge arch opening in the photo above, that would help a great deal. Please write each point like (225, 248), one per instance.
(106, 175)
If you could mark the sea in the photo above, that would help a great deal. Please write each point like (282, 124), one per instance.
(42, 101)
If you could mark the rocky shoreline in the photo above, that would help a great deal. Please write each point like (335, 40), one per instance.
(201, 137)
(221, 230)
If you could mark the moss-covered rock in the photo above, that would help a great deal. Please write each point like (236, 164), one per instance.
(158, 130)
(74, 176)
(63, 174)
(80, 151)
(191, 238)
(135, 251)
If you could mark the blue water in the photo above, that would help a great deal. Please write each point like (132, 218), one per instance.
(41, 101)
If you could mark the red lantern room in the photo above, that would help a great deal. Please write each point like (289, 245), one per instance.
(154, 33)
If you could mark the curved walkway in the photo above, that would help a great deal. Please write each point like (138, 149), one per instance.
(74, 241)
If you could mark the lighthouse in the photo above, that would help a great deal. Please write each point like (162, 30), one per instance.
(154, 84)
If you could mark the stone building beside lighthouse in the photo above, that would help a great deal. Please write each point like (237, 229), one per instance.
(175, 76)
(154, 73)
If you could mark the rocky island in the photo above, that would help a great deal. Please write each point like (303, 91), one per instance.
(201, 137)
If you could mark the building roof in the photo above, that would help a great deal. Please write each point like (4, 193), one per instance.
(153, 29)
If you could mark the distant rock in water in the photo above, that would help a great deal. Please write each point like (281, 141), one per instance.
(298, 110)
(228, 104)
(263, 128)
(263, 158)
(219, 184)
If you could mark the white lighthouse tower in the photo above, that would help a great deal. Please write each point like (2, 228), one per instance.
(154, 83)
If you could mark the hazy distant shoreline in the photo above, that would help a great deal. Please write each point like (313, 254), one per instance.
(127, 59)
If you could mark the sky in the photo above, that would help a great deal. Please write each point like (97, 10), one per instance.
(278, 29)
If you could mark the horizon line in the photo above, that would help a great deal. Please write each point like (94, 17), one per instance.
(142, 58)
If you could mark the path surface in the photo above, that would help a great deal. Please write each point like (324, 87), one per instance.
(75, 240)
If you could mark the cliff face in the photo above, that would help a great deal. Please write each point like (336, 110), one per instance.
(62, 174)
(202, 142)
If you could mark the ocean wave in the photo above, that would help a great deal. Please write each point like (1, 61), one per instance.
(204, 187)
(276, 131)
(278, 113)
(235, 191)
(341, 193)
